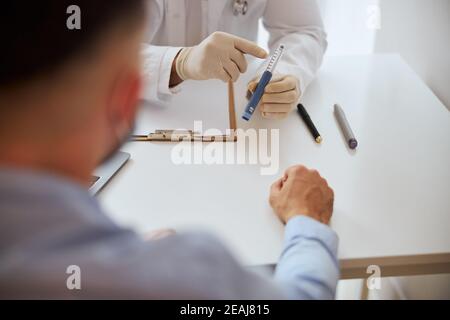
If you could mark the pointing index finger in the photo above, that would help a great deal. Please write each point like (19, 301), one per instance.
(249, 47)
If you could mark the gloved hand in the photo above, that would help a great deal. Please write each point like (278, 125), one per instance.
(220, 56)
(280, 96)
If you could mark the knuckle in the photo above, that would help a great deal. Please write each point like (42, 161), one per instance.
(331, 191)
(302, 168)
(315, 172)
(299, 169)
(209, 46)
(216, 34)
(292, 95)
(291, 80)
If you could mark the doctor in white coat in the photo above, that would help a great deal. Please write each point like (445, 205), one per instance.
(183, 43)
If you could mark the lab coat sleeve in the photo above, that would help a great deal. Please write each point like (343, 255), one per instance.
(298, 25)
(156, 68)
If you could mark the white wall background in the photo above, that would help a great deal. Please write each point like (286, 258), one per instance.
(418, 30)
(346, 23)
(351, 25)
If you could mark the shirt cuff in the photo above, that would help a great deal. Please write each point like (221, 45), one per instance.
(306, 227)
(166, 69)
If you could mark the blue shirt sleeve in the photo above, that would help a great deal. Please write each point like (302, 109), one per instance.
(308, 267)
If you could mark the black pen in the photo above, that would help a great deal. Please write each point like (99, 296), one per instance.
(307, 119)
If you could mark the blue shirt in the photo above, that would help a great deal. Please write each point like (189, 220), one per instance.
(48, 223)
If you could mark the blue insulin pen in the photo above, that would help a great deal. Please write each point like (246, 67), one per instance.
(265, 79)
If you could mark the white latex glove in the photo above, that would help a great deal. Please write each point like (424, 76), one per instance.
(220, 56)
(280, 96)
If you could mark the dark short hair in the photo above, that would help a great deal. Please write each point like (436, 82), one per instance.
(36, 40)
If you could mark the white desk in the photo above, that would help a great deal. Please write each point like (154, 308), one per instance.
(392, 195)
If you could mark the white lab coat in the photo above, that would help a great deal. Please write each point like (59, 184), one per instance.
(295, 23)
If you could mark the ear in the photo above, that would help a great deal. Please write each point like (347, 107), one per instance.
(123, 101)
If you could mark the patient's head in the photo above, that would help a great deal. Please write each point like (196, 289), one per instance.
(68, 96)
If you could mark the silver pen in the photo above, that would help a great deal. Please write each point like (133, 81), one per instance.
(345, 127)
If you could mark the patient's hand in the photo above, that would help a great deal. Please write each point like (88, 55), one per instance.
(302, 192)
